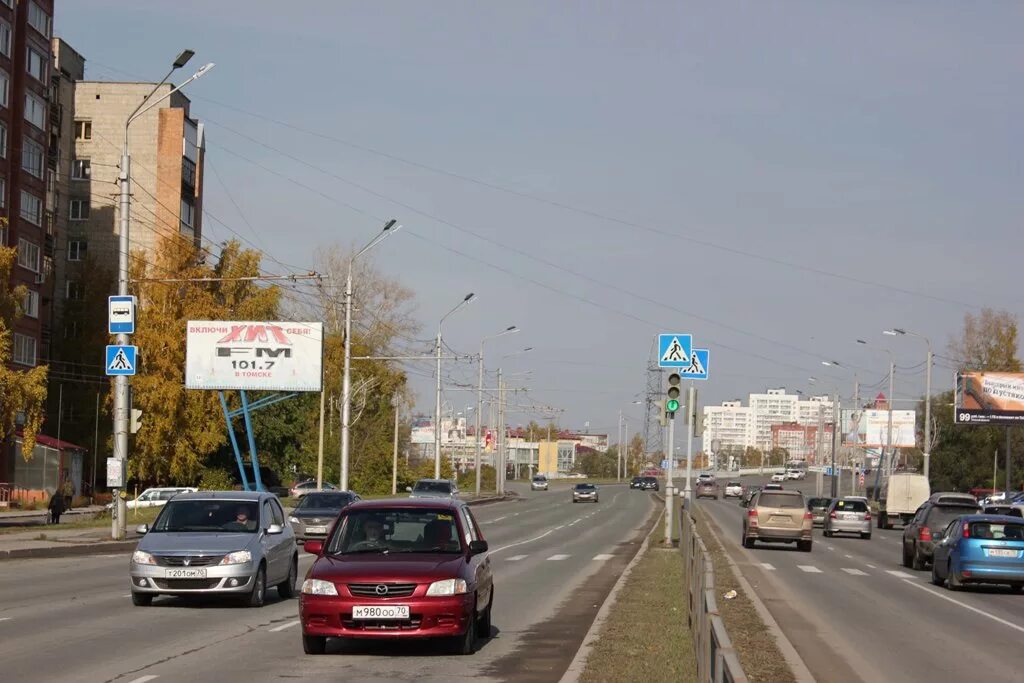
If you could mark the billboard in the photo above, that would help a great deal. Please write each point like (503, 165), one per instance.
(869, 428)
(989, 398)
(254, 356)
(452, 431)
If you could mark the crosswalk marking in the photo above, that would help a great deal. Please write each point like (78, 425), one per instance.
(899, 574)
(871, 566)
(284, 626)
(143, 679)
(768, 566)
(556, 558)
(602, 557)
(854, 572)
(809, 568)
(516, 558)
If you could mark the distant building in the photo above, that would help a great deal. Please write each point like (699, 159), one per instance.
(801, 441)
(736, 426)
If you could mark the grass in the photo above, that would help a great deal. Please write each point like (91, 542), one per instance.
(645, 637)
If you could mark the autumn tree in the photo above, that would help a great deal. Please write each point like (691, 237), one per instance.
(988, 341)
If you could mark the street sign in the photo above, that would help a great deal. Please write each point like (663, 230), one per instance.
(121, 360)
(664, 464)
(121, 314)
(115, 473)
(698, 366)
(674, 350)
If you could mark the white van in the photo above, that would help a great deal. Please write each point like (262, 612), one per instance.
(902, 495)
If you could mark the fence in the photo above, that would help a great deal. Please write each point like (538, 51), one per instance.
(716, 659)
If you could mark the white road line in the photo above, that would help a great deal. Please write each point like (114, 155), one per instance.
(518, 543)
(603, 556)
(556, 558)
(127, 595)
(871, 565)
(830, 547)
(516, 558)
(899, 574)
(499, 519)
(983, 613)
(768, 566)
(143, 679)
(559, 527)
(854, 572)
(284, 626)
(5, 618)
(849, 557)
(575, 522)
(809, 568)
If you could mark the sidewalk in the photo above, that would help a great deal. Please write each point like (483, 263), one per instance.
(52, 541)
(10, 518)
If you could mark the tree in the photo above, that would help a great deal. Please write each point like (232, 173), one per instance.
(21, 391)
(987, 342)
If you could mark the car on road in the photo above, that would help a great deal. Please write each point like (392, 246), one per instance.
(635, 482)
(707, 489)
(705, 476)
(155, 497)
(779, 477)
(1008, 510)
(539, 483)
(778, 517)
(584, 492)
(399, 569)
(819, 509)
(649, 484)
(308, 486)
(930, 517)
(901, 496)
(795, 474)
(433, 488)
(773, 487)
(748, 494)
(313, 516)
(848, 516)
(216, 543)
(986, 549)
(733, 489)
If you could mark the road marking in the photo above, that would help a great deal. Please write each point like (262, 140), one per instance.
(284, 626)
(576, 522)
(143, 679)
(5, 618)
(983, 613)
(809, 568)
(849, 557)
(767, 566)
(854, 572)
(127, 595)
(518, 543)
(603, 556)
(516, 558)
(559, 527)
(871, 565)
(499, 519)
(556, 558)
(830, 547)
(898, 574)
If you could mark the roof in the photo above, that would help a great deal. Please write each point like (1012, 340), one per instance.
(993, 518)
(436, 481)
(224, 495)
(56, 444)
(415, 503)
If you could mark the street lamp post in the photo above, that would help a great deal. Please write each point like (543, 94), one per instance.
(389, 228)
(511, 329)
(896, 331)
(437, 405)
(499, 466)
(888, 438)
(121, 400)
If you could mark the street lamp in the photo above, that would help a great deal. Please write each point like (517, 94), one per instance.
(437, 406)
(499, 467)
(888, 438)
(899, 332)
(390, 228)
(121, 407)
(511, 329)
(623, 463)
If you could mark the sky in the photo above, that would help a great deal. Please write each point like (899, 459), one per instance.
(777, 179)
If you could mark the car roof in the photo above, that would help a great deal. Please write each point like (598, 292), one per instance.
(435, 481)
(406, 503)
(224, 495)
(992, 518)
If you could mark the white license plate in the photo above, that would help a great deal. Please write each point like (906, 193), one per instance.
(316, 530)
(850, 515)
(780, 520)
(186, 573)
(380, 612)
(1000, 552)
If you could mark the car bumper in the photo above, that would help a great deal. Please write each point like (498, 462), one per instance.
(429, 617)
(584, 498)
(539, 488)
(777, 534)
(226, 579)
(980, 571)
(818, 520)
(851, 527)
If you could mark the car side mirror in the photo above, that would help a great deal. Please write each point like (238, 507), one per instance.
(275, 529)
(314, 547)
(142, 529)
(477, 547)
(408, 489)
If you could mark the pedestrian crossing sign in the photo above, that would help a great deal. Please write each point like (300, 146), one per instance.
(121, 360)
(698, 367)
(674, 350)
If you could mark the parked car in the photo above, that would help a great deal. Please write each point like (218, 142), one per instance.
(584, 492)
(649, 484)
(707, 488)
(399, 569)
(216, 543)
(930, 517)
(316, 512)
(900, 498)
(848, 516)
(539, 483)
(980, 549)
(433, 488)
(779, 477)
(155, 497)
(778, 517)
(795, 474)
(635, 483)
(819, 509)
(748, 494)
(308, 486)
(733, 489)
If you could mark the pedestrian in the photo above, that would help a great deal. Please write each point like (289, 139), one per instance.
(56, 506)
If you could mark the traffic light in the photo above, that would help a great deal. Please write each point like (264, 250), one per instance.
(672, 394)
(136, 420)
(662, 415)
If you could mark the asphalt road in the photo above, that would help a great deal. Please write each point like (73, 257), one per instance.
(854, 613)
(554, 562)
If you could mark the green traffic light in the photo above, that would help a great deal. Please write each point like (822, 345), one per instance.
(672, 405)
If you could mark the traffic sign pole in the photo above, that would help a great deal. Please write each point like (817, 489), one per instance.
(668, 483)
(691, 413)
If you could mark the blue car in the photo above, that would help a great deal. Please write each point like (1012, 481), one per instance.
(980, 549)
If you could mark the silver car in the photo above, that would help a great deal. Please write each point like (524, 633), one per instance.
(231, 543)
(584, 492)
(849, 516)
(433, 488)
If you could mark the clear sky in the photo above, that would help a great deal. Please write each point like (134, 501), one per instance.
(778, 179)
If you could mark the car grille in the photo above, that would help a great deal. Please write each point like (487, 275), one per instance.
(192, 560)
(410, 624)
(186, 584)
(369, 590)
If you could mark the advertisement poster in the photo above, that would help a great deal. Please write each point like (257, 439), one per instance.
(869, 428)
(989, 398)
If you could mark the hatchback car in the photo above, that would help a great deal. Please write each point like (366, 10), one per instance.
(308, 486)
(931, 516)
(733, 489)
(230, 543)
(433, 488)
(649, 484)
(778, 517)
(155, 497)
(980, 549)
(819, 509)
(848, 516)
(316, 512)
(707, 488)
(539, 483)
(395, 569)
(779, 477)
(584, 492)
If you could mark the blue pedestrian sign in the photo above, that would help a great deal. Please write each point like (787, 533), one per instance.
(674, 350)
(698, 367)
(121, 314)
(121, 360)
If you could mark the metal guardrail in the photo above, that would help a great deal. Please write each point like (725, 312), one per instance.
(717, 661)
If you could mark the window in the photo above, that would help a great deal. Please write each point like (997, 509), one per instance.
(3, 140)
(188, 173)
(31, 304)
(81, 169)
(187, 216)
(31, 208)
(74, 291)
(70, 329)
(3, 200)
(79, 209)
(35, 110)
(83, 130)
(35, 63)
(76, 250)
(5, 39)
(4, 83)
(275, 509)
(32, 157)
(39, 19)
(24, 350)
(28, 255)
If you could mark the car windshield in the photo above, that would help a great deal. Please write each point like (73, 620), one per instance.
(322, 501)
(818, 503)
(997, 531)
(780, 500)
(391, 531)
(584, 487)
(941, 515)
(650, 480)
(208, 516)
(432, 487)
(539, 479)
(851, 506)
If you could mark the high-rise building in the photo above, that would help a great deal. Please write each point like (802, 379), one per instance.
(735, 426)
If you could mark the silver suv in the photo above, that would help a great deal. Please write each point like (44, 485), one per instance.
(234, 543)
(433, 488)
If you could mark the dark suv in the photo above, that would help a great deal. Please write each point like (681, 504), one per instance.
(933, 515)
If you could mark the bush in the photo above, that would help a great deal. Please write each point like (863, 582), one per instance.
(467, 480)
(102, 498)
(216, 480)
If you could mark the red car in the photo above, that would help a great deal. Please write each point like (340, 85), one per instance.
(405, 568)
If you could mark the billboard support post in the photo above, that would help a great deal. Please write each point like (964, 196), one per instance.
(1009, 466)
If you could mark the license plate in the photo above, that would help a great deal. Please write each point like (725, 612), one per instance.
(850, 515)
(1000, 552)
(380, 612)
(185, 573)
(776, 519)
(316, 530)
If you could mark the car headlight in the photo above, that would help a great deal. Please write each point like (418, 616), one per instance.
(447, 587)
(240, 557)
(318, 587)
(293, 520)
(141, 557)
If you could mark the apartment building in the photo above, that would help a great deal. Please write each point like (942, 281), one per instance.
(730, 425)
(734, 425)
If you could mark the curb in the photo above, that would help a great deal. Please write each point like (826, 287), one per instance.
(578, 663)
(492, 499)
(796, 663)
(69, 551)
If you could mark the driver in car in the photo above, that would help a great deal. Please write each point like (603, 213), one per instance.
(373, 532)
(242, 521)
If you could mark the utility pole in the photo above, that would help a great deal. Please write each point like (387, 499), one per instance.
(499, 469)
(888, 438)
(437, 408)
(479, 410)
(394, 453)
(668, 487)
(691, 418)
(320, 445)
(928, 413)
(1009, 468)
(618, 468)
(624, 457)
(95, 447)
(835, 436)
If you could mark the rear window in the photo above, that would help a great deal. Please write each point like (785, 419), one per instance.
(734, 483)
(998, 531)
(818, 503)
(324, 500)
(852, 506)
(780, 500)
(941, 515)
(433, 486)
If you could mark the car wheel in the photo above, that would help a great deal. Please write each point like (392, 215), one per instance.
(906, 557)
(953, 581)
(1017, 588)
(867, 536)
(466, 643)
(483, 627)
(596, 499)
(287, 589)
(314, 645)
(936, 579)
(259, 588)
(916, 561)
(142, 599)
(748, 542)
(827, 532)
(804, 546)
